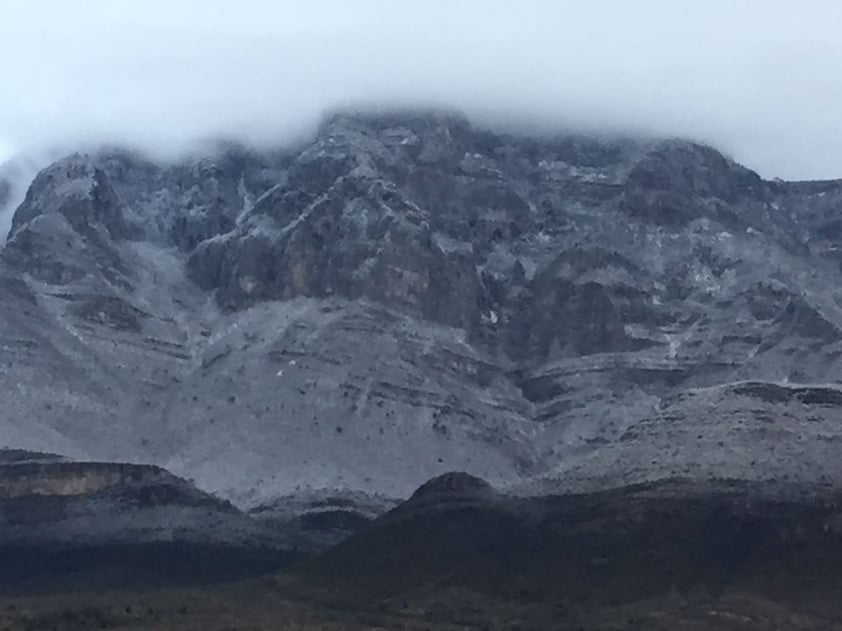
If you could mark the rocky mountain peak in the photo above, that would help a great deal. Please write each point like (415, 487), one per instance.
(405, 288)
(80, 192)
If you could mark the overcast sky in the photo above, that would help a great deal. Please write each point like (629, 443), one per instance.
(760, 79)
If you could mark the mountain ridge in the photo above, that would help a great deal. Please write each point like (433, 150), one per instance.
(404, 295)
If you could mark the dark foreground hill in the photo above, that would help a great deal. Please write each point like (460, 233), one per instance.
(458, 549)
(78, 526)
(674, 555)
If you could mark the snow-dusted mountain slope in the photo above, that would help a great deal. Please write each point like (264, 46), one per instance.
(405, 295)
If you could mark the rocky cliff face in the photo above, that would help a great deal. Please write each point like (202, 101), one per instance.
(406, 294)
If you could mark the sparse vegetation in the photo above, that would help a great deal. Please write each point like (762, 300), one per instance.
(261, 606)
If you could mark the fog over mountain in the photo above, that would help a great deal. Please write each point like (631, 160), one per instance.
(421, 315)
(758, 80)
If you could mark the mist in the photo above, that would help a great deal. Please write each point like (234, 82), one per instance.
(760, 80)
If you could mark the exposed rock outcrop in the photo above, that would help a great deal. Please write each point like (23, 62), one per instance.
(406, 294)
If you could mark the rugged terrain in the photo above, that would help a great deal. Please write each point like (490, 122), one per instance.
(69, 526)
(310, 333)
(673, 555)
(406, 294)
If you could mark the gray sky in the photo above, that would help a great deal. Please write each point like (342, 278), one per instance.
(762, 80)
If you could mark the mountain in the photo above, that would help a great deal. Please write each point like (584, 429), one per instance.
(71, 526)
(673, 554)
(628, 349)
(406, 294)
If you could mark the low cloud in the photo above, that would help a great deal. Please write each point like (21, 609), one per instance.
(15, 177)
(760, 80)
